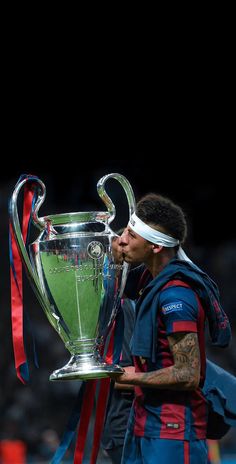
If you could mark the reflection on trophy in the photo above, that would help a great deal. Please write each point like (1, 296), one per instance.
(76, 277)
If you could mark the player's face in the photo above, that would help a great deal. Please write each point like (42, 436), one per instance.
(135, 248)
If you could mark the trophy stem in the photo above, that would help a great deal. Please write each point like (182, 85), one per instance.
(86, 362)
(83, 346)
(85, 367)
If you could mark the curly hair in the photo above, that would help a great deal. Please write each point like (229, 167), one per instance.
(158, 211)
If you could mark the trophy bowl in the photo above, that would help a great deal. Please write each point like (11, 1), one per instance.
(76, 276)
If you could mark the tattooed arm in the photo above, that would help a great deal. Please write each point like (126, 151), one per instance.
(183, 375)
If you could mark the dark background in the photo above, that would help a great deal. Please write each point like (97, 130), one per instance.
(207, 196)
(204, 187)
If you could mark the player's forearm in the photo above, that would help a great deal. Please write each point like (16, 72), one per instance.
(172, 378)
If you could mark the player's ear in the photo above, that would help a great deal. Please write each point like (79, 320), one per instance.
(156, 248)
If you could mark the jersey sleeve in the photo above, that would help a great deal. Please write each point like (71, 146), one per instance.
(179, 309)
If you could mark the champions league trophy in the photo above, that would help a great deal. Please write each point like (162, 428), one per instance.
(75, 276)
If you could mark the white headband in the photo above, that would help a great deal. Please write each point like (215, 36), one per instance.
(151, 234)
(154, 236)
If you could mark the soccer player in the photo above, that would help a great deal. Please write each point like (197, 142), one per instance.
(174, 297)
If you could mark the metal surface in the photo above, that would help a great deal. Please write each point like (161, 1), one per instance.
(74, 274)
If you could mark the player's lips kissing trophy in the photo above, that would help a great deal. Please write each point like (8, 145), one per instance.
(75, 276)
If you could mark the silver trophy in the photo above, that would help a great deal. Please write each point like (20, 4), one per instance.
(76, 277)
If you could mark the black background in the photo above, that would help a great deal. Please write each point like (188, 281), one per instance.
(203, 187)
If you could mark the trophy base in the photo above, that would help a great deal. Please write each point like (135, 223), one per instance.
(85, 369)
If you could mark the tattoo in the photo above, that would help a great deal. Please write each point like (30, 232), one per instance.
(186, 354)
(184, 374)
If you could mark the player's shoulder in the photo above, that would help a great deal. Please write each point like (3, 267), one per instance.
(177, 291)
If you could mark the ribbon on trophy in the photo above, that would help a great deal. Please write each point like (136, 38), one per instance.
(17, 312)
(112, 356)
(82, 411)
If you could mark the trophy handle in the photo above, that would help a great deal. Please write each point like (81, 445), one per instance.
(112, 210)
(107, 200)
(16, 229)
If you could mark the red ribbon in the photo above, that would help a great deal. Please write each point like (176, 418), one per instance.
(86, 413)
(87, 409)
(17, 291)
(102, 400)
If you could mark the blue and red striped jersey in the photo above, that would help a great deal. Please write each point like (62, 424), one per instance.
(167, 413)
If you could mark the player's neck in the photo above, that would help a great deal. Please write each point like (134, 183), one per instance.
(161, 260)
